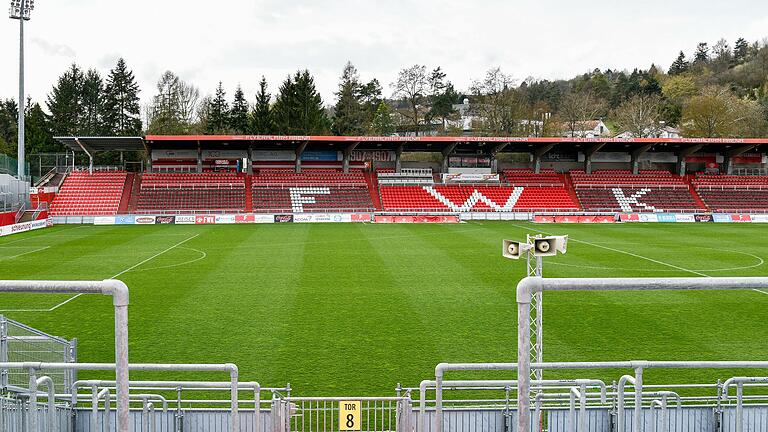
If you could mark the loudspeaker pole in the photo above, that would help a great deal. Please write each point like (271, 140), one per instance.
(534, 266)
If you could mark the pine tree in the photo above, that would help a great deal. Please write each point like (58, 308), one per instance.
(702, 53)
(65, 102)
(121, 102)
(238, 115)
(680, 65)
(218, 112)
(740, 50)
(37, 132)
(261, 117)
(92, 103)
(298, 109)
(382, 123)
(348, 118)
(9, 112)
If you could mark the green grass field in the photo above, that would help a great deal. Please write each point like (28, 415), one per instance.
(354, 309)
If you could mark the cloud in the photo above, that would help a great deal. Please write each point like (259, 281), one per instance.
(53, 49)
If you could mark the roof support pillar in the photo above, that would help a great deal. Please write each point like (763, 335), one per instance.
(538, 153)
(299, 151)
(730, 154)
(635, 157)
(446, 153)
(588, 156)
(398, 154)
(347, 153)
(199, 158)
(682, 154)
(249, 162)
(494, 160)
(90, 156)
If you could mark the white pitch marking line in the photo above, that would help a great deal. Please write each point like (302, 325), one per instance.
(118, 274)
(760, 291)
(25, 253)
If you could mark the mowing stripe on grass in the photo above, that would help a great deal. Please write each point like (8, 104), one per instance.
(111, 277)
(25, 253)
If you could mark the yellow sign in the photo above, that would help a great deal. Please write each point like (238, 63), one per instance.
(349, 415)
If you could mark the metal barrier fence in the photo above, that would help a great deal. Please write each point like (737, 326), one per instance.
(21, 343)
(317, 414)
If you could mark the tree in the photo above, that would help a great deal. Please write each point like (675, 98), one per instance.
(578, 108)
(680, 65)
(349, 116)
(442, 97)
(298, 108)
(92, 105)
(740, 49)
(37, 132)
(164, 114)
(121, 102)
(701, 55)
(9, 112)
(65, 102)
(189, 97)
(382, 123)
(238, 115)
(370, 99)
(261, 117)
(639, 116)
(497, 103)
(717, 112)
(218, 112)
(411, 87)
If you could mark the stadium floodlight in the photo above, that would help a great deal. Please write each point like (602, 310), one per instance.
(22, 11)
(534, 248)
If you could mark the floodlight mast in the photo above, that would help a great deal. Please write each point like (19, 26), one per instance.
(22, 11)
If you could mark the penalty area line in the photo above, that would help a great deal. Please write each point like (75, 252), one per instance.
(111, 277)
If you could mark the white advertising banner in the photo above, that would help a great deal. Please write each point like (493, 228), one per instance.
(321, 217)
(470, 177)
(264, 219)
(685, 218)
(185, 219)
(24, 226)
(760, 218)
(104, 220)
(225, 219)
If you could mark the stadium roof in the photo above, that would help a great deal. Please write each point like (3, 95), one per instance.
(97, 144)
(412, 143)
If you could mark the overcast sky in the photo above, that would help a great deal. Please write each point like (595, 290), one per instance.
(237, 41)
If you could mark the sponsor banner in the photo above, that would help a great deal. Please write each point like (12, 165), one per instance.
(224, 154)
(185, 220)
(629, 217)
(574, 219)
(470, 177)
(686, 218)
(721, 217)
(416, 219)
(748, 159)
(273, 155)
(665, 217)
(104, 220)
(322, 217)
(245, 218)
(144, 220)
(174, 154)
(164, 220)
(125, 220)
(703, 217)
(264, 219)
(360, 217)
(24, 227)
(321, 155)
(43, 190)
(738, 217)
(372, 155)
(205, 220)
(559, 156)
(648, 217)
(760, 218)
(283, 218)
(224, 219)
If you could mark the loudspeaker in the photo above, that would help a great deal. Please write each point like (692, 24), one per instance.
(513, 249)
(545, 246)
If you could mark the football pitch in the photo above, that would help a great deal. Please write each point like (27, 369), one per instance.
(354, 309)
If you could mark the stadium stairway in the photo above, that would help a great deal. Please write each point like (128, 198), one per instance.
(571, 189)
(126, 197)
(696, 197)
(373, 187)
(248, 193)
(135, 190)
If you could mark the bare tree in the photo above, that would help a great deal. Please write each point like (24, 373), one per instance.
(497, 103)
(189, 95)
(577, 108)
(412, 86)
(639, 116)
